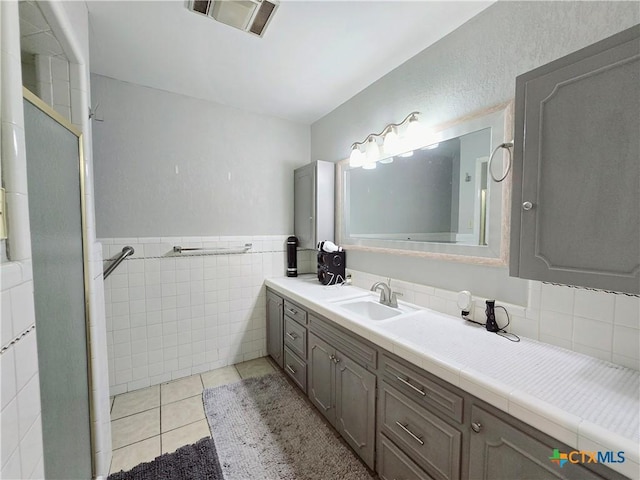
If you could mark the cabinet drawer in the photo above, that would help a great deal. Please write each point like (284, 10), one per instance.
(296, 369)
(294, 311)
(422, 390)
(295, 337)
(344, 341)
(425, 438)
(393, 464)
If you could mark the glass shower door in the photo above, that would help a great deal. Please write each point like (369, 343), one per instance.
(54, 169)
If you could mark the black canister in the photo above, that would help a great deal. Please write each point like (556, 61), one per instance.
(292, 256)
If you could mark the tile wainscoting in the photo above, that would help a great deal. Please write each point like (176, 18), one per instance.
(171, 316)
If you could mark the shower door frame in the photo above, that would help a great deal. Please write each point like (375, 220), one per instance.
(47, 110)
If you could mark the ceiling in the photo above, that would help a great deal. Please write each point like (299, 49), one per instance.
(313, 57)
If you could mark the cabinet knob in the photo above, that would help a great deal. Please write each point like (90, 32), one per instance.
(527, 206)
(476, 427)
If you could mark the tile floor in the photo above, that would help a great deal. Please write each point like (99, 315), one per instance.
(159, 419)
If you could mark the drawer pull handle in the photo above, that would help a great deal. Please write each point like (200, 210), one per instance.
(292, 335)
(292, 311)
(334, 359)
(408, 384)
(476, 427)
(291, 369)
(413, 435)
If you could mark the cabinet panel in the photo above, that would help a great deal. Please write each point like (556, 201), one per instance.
(295, 337)
(432, 443)
(313, 210)
(355, 406)
(292, 310)
(344, 341)
(275, 327)
(296, 369)
(321, 376)
(393, 464)
(576, 190)
(499, 451)
(420, 389)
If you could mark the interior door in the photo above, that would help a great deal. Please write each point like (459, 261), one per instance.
(54, 169)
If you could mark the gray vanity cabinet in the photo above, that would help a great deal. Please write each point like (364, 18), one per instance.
(576, 172)
(313, 207)
(295, 344)
(501, 451)
(345, 393)
(275, 319)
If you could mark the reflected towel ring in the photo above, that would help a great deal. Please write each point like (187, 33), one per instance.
(507, 146)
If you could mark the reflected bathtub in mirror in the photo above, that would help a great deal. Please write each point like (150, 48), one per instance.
(437, 200)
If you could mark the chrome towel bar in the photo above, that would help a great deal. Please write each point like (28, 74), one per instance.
(213, 251)
(126, 251)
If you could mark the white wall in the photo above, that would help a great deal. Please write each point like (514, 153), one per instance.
(171, 165)
(174, 170)
(471, 69)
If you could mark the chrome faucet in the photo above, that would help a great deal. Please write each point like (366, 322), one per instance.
(387, 297)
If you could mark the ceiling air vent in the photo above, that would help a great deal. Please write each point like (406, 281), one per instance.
(250, 16)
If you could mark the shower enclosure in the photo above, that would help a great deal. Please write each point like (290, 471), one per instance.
(55, 175)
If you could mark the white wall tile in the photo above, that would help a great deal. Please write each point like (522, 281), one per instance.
(557, 298)
(627, 311)
(593, 334)
(626, 341)
(595, 305)
(26, 355)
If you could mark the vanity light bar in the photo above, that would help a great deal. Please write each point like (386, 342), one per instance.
(391, 145)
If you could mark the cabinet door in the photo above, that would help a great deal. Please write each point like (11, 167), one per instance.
(576, 184)
(355, 406)
(500, 451)
(274, 328)
(304, 191)
(321, 376)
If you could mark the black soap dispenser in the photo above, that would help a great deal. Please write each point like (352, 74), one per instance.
(292, 256)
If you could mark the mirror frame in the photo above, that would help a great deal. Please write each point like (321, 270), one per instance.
(496, 252)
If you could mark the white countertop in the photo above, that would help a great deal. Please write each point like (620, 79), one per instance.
(587, 403)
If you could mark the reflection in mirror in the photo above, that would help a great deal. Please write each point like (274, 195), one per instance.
(435, 200)
(436, 194)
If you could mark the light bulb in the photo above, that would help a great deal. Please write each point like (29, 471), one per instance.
(414, 130)
(391, 142)
(357, 157)
(372, 152)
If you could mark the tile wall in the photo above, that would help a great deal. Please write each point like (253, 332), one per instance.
(21, 454)
(172, 315)
(599, 324)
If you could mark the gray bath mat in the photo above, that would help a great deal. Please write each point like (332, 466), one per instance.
(264, 430)
(192, 462)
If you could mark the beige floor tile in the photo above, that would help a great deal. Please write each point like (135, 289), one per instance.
(179, 414)
(134, 428)
(180, 389)
(221, 376)
(128, 457)
(255, 368)
(186, 435)
(135, 402)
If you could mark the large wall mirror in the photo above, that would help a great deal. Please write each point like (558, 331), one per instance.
(437, 200)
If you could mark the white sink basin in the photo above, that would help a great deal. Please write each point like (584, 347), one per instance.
(372, 309)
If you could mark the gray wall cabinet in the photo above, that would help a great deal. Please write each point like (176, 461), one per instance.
(576, 173)
(313, 209)
(405, 422)
(275, 320)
